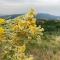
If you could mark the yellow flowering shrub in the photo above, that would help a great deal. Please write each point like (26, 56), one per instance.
(18, 34)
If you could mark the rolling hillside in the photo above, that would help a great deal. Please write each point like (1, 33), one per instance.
(39, 16)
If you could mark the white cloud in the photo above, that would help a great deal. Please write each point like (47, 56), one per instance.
(49, 2)
(21, 6)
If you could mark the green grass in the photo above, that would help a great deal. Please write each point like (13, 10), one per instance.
(49, 47)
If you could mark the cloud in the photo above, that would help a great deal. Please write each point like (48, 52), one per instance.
(21, 6)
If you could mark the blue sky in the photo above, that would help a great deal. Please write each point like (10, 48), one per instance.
(22, 6)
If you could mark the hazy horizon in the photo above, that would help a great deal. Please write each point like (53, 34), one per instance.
(22, 6)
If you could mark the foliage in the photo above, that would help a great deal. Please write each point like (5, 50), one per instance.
(17, 34)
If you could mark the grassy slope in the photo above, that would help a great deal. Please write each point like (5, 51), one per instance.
(49, 47)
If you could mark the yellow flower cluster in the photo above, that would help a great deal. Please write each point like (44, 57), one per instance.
(2, 30)
(21, 52)
(31, 13)
(22, 55)
(2, 21)
(22, 49)
(25, 22)
(29, 22)
(2, 33)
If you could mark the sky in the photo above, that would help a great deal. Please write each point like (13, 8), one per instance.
(22, 6)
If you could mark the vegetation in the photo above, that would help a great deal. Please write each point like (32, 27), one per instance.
(17, 36)
(50, 47)
(23, 38)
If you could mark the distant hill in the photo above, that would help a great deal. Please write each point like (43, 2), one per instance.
(10, 16)
(47, 16)
(39, 16)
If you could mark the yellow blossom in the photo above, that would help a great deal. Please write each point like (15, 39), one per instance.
(2, 31)
(31, 22)
(32, 29)
(31, 14)
(2, 21)
(21, 49)
(15, 27)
